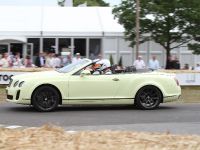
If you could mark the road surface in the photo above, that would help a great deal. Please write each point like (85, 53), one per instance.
(175, 118)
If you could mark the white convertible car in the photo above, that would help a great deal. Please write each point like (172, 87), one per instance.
(78, 84)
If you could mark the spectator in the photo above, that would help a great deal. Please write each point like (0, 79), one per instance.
(17, 61)
(28, 62)
(169, 63)
(176, 63)
(56, 61)
(67, 60)
(173, 63)
(186, 67)
(77, 58)
(6, 61)
(139, 63)
(197, 68)
(40, 60)
(48, 59)
(154, 63)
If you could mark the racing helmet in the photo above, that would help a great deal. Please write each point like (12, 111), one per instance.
(103, 67)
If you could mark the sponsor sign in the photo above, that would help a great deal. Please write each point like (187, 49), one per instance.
(188, 78)
(5, 76)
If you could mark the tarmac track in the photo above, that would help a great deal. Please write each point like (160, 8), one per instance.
(175, 118)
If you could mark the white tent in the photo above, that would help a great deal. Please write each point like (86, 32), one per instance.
(58, 21)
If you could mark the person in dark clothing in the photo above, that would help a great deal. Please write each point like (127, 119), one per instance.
(173, 63)
(176, 63)
(169, 63)
(40, 60)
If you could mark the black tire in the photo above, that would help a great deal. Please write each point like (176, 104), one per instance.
(45, 99)
(148, 97)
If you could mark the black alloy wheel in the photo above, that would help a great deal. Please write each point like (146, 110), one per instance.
(45, 98)
(148, 97)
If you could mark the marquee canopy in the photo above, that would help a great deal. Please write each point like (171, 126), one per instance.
(58, 21)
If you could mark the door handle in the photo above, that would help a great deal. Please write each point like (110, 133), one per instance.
(115, 79)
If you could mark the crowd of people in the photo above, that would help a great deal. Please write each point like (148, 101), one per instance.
(52, 60)
(48, 60)
(173, 63)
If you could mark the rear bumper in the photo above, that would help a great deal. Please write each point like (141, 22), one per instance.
(171, 98)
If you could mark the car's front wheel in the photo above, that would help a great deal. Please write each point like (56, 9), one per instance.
(45, 98)
(148, 97)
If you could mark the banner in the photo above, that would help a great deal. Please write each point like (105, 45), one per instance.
(5, 76)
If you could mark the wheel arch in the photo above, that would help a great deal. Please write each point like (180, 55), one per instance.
(51, 85)
(156, 86)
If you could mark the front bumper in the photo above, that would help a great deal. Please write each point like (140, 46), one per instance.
(17, 95)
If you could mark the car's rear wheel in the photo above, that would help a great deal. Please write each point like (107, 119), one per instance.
(45, 98)
(148, 97)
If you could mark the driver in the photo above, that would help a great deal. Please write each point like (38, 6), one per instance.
(96, 69)
(105, 69)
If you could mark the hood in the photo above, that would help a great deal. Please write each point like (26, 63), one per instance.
(36, 75)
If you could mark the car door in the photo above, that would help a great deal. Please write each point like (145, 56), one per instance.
(88, 87)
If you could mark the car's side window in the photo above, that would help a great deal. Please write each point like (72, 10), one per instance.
(91, 69)
(95, 69)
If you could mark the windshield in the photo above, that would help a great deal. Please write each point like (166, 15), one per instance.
(73, 66)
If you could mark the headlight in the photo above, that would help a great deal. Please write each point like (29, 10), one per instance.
(16, 83)
(21, 83)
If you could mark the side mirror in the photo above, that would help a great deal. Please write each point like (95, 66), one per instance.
(85, 72)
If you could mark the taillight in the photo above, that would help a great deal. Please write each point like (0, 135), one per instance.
(176, 81)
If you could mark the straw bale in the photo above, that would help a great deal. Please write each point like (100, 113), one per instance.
(50, 137)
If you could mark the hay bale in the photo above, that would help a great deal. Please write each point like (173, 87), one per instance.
(50, 137)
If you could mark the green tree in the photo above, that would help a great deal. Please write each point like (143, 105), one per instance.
(111, 60)
(166, 22)
(91, 2)
(120, 63)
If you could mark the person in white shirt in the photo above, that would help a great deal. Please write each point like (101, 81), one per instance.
(77, 58)
(139, 63)
(154, 63)
(56, 61)
(17, 61)
(49, 59)
(197, 68)
(5, 61)
(67, 60)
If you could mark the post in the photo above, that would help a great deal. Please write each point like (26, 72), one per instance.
(72, 47)
(137, 27)
(87, 48)
(57, 46)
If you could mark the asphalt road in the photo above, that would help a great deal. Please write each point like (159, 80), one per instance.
(176, 118)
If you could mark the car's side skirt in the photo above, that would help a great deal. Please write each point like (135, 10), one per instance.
(99, 101)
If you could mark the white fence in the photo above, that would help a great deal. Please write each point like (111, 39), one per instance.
(185, 79)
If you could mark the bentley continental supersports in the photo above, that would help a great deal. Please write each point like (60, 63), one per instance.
(85, 83)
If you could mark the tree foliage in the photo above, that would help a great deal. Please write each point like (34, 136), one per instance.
(111, 60)
(91, 2)
(171, 23)
(120, 63)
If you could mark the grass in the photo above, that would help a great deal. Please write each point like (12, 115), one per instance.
(190, 94)
(2, 94)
